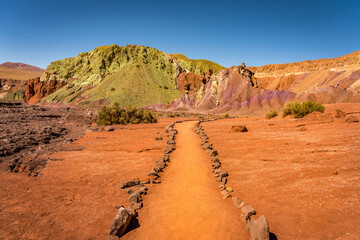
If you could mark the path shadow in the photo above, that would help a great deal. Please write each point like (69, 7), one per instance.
(272, 236)
(134, 224)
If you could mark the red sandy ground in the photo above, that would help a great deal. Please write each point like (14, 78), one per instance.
(76, 198)
(306, 183)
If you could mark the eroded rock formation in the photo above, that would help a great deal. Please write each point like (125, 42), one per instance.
(37, 89)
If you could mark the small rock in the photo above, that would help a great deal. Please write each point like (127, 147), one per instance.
(214, 153)
(225, 194)
(340, 114)
(216, 165)
(137, 206)
(120, 223)
(130, 183)
(129, 191)
(351, 119)
(108, 129)
(259, 229)
(155, 181)
(223, 174)
(215, 160)
(237, 202)
(145, 182)
(134, 198)
(246, 212)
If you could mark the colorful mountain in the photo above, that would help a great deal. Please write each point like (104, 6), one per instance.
(132, 75)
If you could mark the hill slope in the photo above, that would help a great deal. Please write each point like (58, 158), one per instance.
(196, 66)
(234, 89)
(17, 74)
(22, 66)
(132, 75)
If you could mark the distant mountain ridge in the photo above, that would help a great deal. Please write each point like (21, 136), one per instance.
(22, 66)
(308, 76)
(143, 76)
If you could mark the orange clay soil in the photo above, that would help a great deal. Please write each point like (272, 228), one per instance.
(188, 204)
(302, 175)
(75, 197)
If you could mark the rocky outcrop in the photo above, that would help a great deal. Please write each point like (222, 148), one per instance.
(190, 83)
(37, 89)
(235, 89)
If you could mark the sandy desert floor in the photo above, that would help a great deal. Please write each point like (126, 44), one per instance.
(302, 175)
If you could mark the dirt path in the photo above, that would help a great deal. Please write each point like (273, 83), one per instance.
(188, 204)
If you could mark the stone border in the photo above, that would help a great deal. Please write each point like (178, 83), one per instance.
(259, 228)
(125, 215)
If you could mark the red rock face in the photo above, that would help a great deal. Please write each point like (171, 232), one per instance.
(190, 82)
(37, 89)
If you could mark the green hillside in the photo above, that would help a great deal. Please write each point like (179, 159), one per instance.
(132, 75)
(196, 66)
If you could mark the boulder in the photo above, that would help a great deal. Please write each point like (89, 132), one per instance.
(120, 223)
(239, 128)
(259, 229)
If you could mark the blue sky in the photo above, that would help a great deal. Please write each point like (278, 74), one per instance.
(227, 32)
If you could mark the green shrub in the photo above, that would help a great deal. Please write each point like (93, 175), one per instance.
(271, 113)
(171, 115)
(130, 115)
(225, 116)
(299, 110)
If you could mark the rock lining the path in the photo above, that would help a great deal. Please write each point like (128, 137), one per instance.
(259, 228)
(124, 216)
(121, 222)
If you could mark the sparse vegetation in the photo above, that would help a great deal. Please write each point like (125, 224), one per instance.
(171, 115)
(225, 116)
(196, 66)
(17, 95)
(271, 113)
(299, 110)
(118, 115)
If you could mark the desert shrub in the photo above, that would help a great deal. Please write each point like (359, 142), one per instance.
(225, 116)
(119, 115)
(177, 114)
(271, 113)
(299, 110)
(171, 115)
